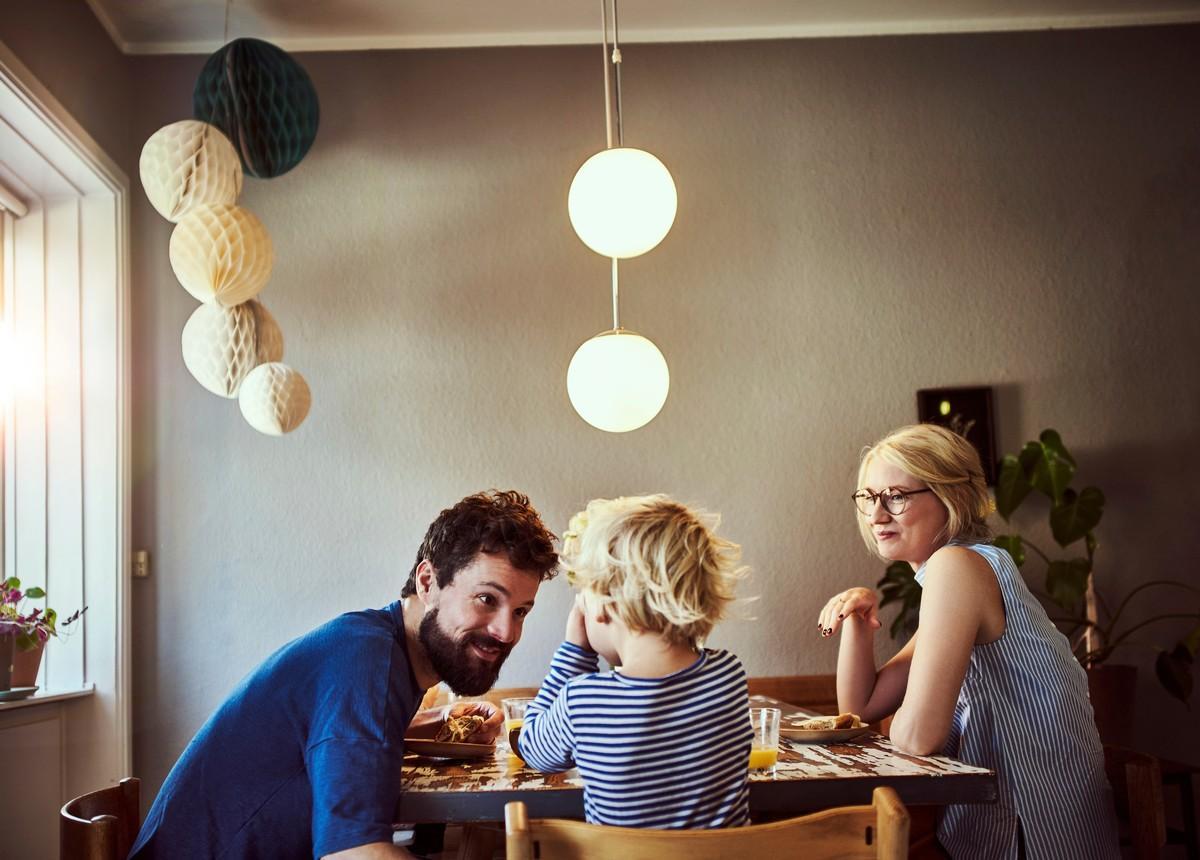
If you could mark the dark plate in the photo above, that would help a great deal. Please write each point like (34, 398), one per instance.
(439, 749)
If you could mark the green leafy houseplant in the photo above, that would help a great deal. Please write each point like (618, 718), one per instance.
(30, 627)
(1074, 602)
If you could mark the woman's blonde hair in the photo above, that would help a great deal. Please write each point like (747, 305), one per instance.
(945, 461)
(653, 563)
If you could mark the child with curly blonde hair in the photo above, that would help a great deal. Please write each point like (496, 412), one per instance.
(662, 740)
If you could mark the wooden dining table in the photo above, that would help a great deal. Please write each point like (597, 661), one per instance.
(807, 777)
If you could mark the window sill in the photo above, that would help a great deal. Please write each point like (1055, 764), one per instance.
(45, 697)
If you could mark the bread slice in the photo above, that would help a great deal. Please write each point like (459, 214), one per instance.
(457, 729)
(825, 724)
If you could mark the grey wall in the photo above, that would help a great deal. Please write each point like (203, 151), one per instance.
(65, 47)
(859, 218)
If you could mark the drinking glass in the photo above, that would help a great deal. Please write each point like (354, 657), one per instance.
(514, 718)
(764, 747)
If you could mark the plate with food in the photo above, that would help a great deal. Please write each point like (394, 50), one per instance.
(823, 730)
(451, 740)
(447, 749)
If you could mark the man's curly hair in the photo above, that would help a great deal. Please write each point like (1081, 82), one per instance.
(493, 522)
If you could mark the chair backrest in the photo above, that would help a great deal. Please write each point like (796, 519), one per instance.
(1136, 780)
(100, 825)
(816, 692)
(877, 831)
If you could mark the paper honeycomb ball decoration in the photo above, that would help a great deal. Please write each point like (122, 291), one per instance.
(219, 347)
(268, 336)
(222, 345)
(188, 164)
(263, 100)
(274, 399)
(221, 254)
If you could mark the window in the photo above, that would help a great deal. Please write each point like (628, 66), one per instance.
(64, 267)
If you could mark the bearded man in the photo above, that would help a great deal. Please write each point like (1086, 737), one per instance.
(304, 758)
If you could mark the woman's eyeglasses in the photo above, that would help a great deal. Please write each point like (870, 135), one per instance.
(894, 501)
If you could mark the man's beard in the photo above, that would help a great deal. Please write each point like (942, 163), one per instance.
(455, 662)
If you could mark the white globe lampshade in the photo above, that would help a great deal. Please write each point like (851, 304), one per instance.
(622, 202)
(618, 381)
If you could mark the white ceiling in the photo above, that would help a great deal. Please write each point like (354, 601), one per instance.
(199, 26)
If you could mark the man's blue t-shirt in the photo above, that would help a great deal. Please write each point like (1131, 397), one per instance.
(304, 758)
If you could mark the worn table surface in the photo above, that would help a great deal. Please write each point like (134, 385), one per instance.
(807, 777)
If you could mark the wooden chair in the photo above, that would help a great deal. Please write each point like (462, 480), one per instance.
(100, 825)
(877, 831)
(815, 692)
(1137, 791)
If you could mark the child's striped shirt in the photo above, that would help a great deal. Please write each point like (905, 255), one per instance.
(667, 752)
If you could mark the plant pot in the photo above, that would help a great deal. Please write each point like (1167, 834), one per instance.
(1112, 690)
(7, 644)
(25, 665)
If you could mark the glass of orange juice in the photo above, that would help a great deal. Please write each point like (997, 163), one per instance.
(514, 718)
(764, 747)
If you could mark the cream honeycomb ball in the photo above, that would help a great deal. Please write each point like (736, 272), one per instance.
(220, 347)
(268, 336)
(221, 254)
(188, 164)
(274, 399)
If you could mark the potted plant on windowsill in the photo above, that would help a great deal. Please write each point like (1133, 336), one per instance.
(24, 632)
(1071, 594)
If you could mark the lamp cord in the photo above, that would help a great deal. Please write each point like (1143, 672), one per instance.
(608, 119)
(604, 58)
(616, 313)
(616, 60)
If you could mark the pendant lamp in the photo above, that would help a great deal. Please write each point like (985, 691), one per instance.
(622, 200)
(622, 203)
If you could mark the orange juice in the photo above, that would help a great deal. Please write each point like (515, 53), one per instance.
(763, 759)
(512, 732)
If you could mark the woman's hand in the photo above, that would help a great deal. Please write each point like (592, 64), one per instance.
(493, 720)
(576, 632)
(863, 602)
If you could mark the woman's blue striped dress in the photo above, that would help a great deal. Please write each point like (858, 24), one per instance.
(668, 752)
(1024, 712)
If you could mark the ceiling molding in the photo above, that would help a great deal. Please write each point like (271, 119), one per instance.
(110, 27)
(107, 11)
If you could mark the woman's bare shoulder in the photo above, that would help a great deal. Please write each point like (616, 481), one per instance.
(958, 567)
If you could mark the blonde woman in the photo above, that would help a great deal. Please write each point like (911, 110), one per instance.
(987, 677)
(663, 740)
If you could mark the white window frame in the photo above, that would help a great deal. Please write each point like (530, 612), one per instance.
(67, 483)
